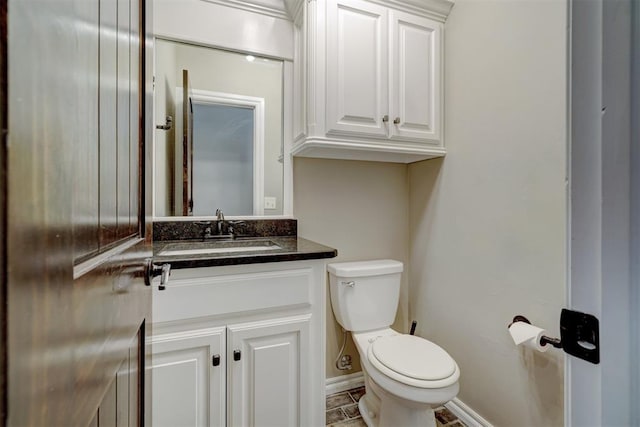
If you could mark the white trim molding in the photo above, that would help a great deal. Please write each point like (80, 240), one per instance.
(344, 382)
(274, 9)
(468, 416)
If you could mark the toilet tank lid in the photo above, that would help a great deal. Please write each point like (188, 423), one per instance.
(365, 268)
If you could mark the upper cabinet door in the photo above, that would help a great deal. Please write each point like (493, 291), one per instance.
(357, 68)
(415, 78)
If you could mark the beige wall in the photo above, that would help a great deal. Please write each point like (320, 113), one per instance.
(488, 223)
(361, 209)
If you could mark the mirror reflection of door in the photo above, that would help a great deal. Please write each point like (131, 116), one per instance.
(187, 145)
(223, 167)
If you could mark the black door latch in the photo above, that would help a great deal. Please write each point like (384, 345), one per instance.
(580, 335)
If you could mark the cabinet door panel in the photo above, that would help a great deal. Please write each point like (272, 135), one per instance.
(415, 77)
(268, 386)
(187, 389)
(356, 68)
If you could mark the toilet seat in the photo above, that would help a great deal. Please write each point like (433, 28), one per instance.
(413, 361)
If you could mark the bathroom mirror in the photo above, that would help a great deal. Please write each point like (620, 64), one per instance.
(219, 135)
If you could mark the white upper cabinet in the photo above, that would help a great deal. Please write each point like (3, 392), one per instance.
(415, 79)
(369, 80)
(356, 68)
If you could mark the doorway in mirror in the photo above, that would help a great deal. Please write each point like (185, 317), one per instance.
(227, 157)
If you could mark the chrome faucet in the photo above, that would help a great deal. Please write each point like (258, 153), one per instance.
(220, 220)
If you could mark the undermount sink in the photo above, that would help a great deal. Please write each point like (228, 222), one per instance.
(218, 247)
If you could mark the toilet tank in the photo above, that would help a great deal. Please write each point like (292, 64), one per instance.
(365, 294)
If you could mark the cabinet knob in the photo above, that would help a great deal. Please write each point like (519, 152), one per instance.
(385, 118)
(396, 121)
(215, 360)
(237, 354)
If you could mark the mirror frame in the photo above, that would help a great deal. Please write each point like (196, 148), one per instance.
(177, 26)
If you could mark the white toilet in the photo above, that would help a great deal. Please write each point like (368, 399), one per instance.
(405, 376)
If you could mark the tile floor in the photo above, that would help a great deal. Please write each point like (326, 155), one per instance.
(342, 411)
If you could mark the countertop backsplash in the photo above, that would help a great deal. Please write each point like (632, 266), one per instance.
(194, 230)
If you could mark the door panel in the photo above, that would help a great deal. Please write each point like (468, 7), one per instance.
(135, 115)
(86, 209)
(415, 73)
(108, 117)
(187, 145)
(268, 385)
(187, 389)
(602, 195)
(356, 68)
(108, 408)
(123, 117)
(122, 393)
(69, 328)
(120, 407)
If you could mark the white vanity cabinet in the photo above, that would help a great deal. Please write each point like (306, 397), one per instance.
(240, 346)
(269, 384)
(187, 389)
(369, 80)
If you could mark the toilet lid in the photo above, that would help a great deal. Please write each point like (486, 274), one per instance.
(413, 357)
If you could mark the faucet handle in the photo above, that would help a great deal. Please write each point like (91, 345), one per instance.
(233, 225)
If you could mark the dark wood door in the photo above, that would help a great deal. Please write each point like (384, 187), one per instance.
(78, 228)
(187, 145)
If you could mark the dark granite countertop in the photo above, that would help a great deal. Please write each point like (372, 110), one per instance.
(291, 249)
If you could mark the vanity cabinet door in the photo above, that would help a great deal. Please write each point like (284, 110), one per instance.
(188, 390)
(356, 68)
(269, 377)
(415, 88)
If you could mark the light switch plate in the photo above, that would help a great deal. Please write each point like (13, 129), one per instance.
(269, 202)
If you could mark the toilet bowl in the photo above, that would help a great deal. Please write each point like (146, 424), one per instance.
(405, 376)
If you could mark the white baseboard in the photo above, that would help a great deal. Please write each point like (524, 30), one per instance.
(344, 383)
(465, 414)
(458, 408)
